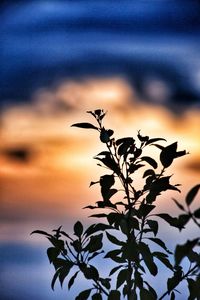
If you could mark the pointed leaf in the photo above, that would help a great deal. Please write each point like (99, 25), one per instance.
(97, 296)
(184, 250)
(95, 243)
(41, 232)
(64, 271)
(78, 229)
(153, 225)
(55, 278)
(72, 279)
(197, 213)
(174, 280)
(148, 258)
(114, 270)
(146, 295)
(85, 126)
(180, 206)
(172, 296)
(84, 295)
(150, 161)
(114, 295)
(149, 172)
(154, 140)
(163, 258)
(121, 278)
(114, 240)
(52, 253)
(192, 194)
(161, 244)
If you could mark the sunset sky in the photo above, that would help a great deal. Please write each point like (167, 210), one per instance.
(138, 60)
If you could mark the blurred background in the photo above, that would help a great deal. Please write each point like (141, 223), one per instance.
(139, 60)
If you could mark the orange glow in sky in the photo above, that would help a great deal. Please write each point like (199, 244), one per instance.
(51, 179)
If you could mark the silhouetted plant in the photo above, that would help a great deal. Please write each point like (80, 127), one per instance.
(129, 225)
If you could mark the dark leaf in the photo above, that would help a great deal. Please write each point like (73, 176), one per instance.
(130, 251)
(72, 279)
(121, 278)
(126, 140)
(114, 295)
(64, 271)
(154, 140)
(90, 207)
(95, 243)
(142, 138)
(145, 209)
(95, 254)
(172, 221)
(138, 279)
(104, 136)
(183, 219)
(197, 213)
(184, 250)
(153, 226)
(168, 154)
(97, 296)
(193, 286)
(180, 206)
(163, 258)
(41, 232)
(150, 161)
(134, 167)
(77, 245)
(93, 182)
(59, 263)
(158, 146)
(105, 282)
(152, 291)
(149, 172)
(96, 227)
(55, 278)
(67, 235)
(114, 270)
(148, 258)
(172, 296)
(194, 257)
(114, 218)
(161, 244)
(114, 255)
(78, 229)
(85, 125)
(146, 295)
(84, 295)
(106, 181)
(134, 223)
(52, 253)
(57, 243)
(192, 194)
(98, 216)
(90, 272)
(114, 240)
(174, 280)
(108, 161)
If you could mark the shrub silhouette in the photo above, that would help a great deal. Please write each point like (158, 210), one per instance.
(129, 224)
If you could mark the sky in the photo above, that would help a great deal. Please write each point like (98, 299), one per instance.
(138, 60)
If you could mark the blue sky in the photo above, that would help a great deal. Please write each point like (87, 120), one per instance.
(45, 42)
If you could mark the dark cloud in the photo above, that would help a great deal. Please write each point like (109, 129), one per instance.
(22, 154)
(47, 41)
